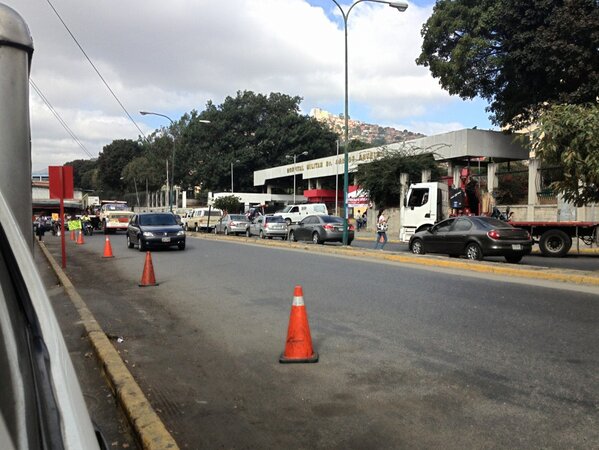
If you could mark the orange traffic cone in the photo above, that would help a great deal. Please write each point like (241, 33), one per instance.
(298, 348)
(107, 249)
(79, 238)
(72, 235)
(148, 278)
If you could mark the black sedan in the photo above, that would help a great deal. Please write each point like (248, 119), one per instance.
(320, 229)
(475, 237)
(155, 230)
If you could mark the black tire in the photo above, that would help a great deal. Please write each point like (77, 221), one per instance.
(316, 238)
(129, 243)
(555, 243)
(474, 252)
(292, 236)
(417, 247)
(181, 246)
(141, 245)
(197, 230)
(247, 233)
(288, 221)
(514, 259)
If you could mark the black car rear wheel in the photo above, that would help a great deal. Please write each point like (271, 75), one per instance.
(418, 247)
(555, 243)
(474, 252)
(292, 236)
(316, 238)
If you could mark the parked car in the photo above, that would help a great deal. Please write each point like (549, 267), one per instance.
(232, 224)
(155, 230)
(474, 237)
(320, 229)
(203, 219)
(268, 226)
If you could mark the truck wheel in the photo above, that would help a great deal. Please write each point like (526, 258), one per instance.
(555, 243)
(474, 252)
(197, 228)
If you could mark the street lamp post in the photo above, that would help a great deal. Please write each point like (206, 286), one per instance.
(236, 161)
(172, 186)
(294, 163)
(401, 7)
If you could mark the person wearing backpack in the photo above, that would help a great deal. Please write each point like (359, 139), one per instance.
(381, 231)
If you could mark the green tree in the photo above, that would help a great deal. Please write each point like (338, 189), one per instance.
(229, 204)
(568, 136)
(519, 55)
(254, 129)
(381, 177)
(111, 162)
(84, 173)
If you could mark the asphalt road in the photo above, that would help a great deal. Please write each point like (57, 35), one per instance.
(409, 357)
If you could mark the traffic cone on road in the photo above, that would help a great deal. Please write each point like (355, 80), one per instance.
(80, 238)
(147, 277)
(298, 348)
(72, 235)
(107, 249)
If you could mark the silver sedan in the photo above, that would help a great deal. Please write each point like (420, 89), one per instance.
(232, 224)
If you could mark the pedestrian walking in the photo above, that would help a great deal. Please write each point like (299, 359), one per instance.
(381, 231)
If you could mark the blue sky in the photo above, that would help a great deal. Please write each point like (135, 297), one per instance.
(174, 59)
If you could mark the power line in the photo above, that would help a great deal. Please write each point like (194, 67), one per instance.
(62, 122)
(95, 68)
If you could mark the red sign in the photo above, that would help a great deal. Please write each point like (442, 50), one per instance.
(61, 181)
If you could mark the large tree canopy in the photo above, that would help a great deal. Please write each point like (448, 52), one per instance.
(568, 136)
(111, 162)
(518, 54)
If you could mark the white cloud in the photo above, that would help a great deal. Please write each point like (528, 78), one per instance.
(174, 56)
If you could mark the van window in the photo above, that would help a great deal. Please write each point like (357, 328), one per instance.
(320, 209)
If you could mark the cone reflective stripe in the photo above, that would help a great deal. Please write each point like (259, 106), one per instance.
(147, 277)
(79, 238)
(298, 347)
(107, 249)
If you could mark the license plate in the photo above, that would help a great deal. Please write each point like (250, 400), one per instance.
(166, 239)
(516, 247)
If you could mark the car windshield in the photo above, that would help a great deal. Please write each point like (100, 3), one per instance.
(490, 223)
(274, 219)
(157, 219)
(116, 207)
(237, 217)
(331, 219)
(286, 209)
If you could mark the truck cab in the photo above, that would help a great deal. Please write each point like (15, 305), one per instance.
(424, 205)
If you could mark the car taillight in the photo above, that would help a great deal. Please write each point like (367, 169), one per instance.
(494, 234)
(328, 226)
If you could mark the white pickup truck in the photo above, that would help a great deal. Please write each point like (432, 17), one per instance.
(203, 219)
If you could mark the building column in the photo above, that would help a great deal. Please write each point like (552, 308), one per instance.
(184, 199)
(318, 184)
(455, 173)
(425, 176)
(492, 181)
(269, 189)
(533, 169)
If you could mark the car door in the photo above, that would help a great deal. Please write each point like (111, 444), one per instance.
(457, 236)
(436, 240)
(256, 225)
(132, 229)
(301, 231)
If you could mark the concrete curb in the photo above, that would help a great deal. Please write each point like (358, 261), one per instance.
(509, 270)
(150, 431)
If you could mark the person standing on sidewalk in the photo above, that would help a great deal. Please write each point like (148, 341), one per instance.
(381, 230)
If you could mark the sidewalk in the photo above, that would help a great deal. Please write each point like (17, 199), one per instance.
(101, 402)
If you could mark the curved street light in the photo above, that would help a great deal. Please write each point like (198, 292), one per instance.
(401, 7)
(294, 156)
(171, 188)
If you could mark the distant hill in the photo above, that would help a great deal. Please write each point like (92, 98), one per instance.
(373, 134)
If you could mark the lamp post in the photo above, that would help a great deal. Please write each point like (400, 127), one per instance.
(172, 186)
(294, 163)
(401, 7)
(236, 161)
